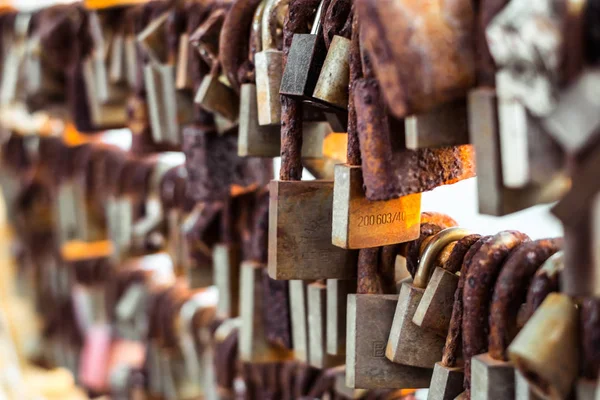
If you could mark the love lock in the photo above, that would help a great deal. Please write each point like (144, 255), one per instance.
(549, 362)
(408, 344)
(493, 376)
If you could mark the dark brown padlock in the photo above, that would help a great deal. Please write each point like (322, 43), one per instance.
(493, 376)
(305, 59)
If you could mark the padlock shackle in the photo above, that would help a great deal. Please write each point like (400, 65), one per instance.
(318, 22)
(433, 248)
(545, 281)
(272, 10)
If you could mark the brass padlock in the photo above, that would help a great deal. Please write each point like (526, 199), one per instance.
(485, 268)
(408, 344)
(369, 320)
(549, 362)
(448, 374)
(493, 376)
(445, 125)
(332, 85)
(435, 308)
(269, 63)
(494, 197)
(299, 311)
(304, 60)
(215, 95)
(254, 346)
(337, 294)
(317, 328)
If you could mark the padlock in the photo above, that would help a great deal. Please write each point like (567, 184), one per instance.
(305, 60)
(215, 95)
(482, 275)
(226, 267)
(420, 35)
(369, 320)
(356, 221)
(448, 374)
(549, 362)
(435, 308)
(254, 346)
(317, 328)
(269, 63)
(493, 376)
(341, 389)
(494, 197)
(404, 335)
(299, 316)
(337, 294)
(445, 125)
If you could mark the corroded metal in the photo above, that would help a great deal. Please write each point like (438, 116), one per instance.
(434, 37)
(481, 278)
(545, 281)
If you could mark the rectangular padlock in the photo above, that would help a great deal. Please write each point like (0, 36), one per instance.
(494, 197)
(332, 86)
(226, 267)
(304, 61)
(317, 329)
(337, 294)
(300, 233)
(218, 97)
(299, 307)
(360, 223)
(549, 362)
(254, 346)
(445, 125)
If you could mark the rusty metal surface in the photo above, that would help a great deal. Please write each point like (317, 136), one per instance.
(545, 281)
(390, 174)
(477, 293)
(431, 223)
(353, 153)
(434, 37)
(233, 43)
(277, 312)
(368, 279)
(455, 260)
(590, 337)
(337, 20)
(454, 337)
(510, 291)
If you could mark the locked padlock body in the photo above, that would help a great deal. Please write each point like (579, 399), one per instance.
(368, 326)
(491, 379)
(523, 388)
(343, 390)
(549, 362)
(337, 294)
(305, 60)
(317, 325)
(269, 66)
(587, 389)
(445, 125)
(446, 382)
(299, 314)
(219, 98)
(360, 223)
(409, 344)
(300, 233)
(226, 269)
(253, 345)
(435, 308)
(332, 86)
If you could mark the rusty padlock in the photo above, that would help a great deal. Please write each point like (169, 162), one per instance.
(448, 374)
(402, 347)
(269, 63)
(493, 376)
(369, 320)
(482, 276)
(358, 222)
(435, 309)
(549, 362)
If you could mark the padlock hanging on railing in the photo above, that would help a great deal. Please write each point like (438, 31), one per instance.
(408, 344)
(300, 215)
(448, 374)
(358, 222)
(493, 376)
(369, 320)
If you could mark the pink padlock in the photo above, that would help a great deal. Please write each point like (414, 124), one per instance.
(93, 373)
